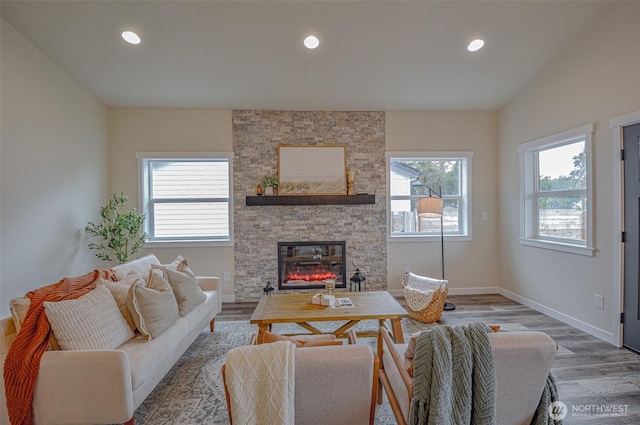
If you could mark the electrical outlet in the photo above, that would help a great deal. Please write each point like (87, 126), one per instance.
(406, 270)
(226, 277)
(485, 216)
(599, 301)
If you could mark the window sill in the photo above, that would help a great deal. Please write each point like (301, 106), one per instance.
(558, 246)
(188, 244)
(430, 238)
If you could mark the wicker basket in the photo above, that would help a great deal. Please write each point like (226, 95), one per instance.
(433, 311)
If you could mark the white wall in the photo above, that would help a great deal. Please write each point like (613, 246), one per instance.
(596, 79)
(53, 170)
(170, 130)
(470, 266)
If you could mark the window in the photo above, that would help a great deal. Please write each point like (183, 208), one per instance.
(410, 177)
(556, 191)
(186, 198)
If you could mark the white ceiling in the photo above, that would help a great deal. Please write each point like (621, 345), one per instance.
(374, 55)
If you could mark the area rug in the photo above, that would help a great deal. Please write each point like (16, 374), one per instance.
(192, 393)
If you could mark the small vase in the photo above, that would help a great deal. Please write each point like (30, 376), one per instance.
(268, 191)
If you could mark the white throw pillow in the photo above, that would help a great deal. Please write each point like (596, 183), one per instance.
(140, 266)
(90, 322)
(186, 289)
(184, 284)
(19, 308)
(120, 291)
(176, 264)
(154, 307)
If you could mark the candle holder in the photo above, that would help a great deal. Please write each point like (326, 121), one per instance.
(350, 183)
(330, 284)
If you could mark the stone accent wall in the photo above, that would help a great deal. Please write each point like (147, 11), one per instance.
(258, 229)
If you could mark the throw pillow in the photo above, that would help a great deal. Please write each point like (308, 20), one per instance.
(273, 337)
(270, 337)
(321, 342)
(140, 266)
(120, 291)
(184, 284)
(19, 308)
(411, 350)
(179, 264)
(175, 264)
(411, 345)
(90, 322)
(153, 307)
(186, 289)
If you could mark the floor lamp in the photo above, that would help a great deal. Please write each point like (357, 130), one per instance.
(432, 207)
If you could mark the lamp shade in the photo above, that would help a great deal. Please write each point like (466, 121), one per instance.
(430, 207)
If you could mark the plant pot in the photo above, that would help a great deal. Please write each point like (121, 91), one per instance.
(268, 191)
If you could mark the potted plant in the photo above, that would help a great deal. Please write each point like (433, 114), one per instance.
(270, 185)
(122, 233)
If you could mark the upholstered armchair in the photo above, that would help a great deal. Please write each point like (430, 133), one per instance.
(333, 384)
(522, 363)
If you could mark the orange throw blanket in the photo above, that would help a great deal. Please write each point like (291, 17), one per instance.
(23, 359)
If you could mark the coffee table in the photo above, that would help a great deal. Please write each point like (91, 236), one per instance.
(297, 308)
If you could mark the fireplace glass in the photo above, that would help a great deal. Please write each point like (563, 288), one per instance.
(307, 265)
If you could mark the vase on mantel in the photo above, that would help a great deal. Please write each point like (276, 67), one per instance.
(268, 191)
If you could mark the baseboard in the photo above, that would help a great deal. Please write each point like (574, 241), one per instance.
(578, 324)
(458, 291)
(228, 298)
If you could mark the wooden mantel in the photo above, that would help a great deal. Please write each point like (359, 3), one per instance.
(311, 200)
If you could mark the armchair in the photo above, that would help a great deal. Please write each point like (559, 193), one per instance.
(522, 363)
(333, 384)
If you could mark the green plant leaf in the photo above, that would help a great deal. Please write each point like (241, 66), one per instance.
(122, 234)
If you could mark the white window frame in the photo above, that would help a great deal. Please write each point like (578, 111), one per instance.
(528, 153)
(144, 188)
(465, 198)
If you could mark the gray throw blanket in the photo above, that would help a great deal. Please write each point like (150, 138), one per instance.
(454, 377)
(549, 395)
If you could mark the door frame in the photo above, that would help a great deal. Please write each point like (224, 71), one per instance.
(616, 125)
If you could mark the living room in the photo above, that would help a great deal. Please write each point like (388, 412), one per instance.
(64, 152)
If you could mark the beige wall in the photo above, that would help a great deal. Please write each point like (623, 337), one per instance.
(469, 265)
(170, 130)
(150, 130)
(53, 170)
(55, 138)
(595, 80)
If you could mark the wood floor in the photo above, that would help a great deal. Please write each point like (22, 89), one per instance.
(599, 383)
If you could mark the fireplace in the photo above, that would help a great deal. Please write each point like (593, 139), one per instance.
(307, 265)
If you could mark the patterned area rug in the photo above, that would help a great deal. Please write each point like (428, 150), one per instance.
(193, 393)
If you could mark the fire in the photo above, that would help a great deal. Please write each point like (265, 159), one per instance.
(311, 276)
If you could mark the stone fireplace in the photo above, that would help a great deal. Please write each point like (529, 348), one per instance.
(308, 265)
(258, 229)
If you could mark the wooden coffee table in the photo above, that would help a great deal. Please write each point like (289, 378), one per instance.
(297, 308)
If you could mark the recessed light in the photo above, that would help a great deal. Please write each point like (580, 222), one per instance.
(311, 42)
(475, 45)
(131, 37)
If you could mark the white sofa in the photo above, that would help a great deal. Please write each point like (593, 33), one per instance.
(106, 387)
